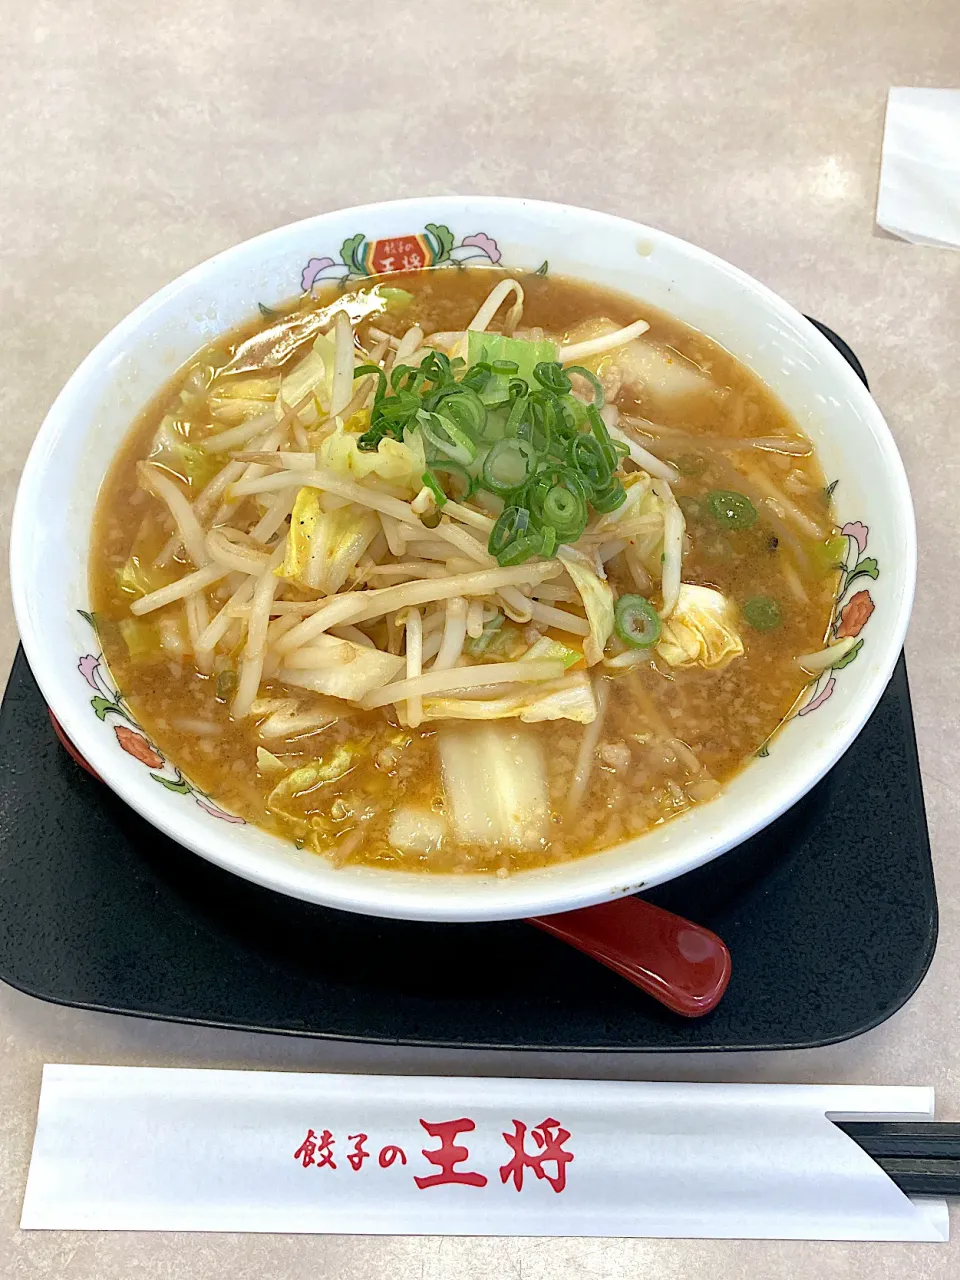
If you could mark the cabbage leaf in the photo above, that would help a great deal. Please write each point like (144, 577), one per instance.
(324, 547)
(495, 786)
(701, 630)
(597, 597)
(400, 464)
(520, 351)
(546, 647)
(349, 670)
(571, 698)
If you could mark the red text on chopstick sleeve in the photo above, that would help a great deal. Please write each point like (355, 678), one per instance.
(549, 1137)
(307, 1149)
(448, 1154)
(359, 1152)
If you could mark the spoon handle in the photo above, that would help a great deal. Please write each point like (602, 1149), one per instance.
(681, 964)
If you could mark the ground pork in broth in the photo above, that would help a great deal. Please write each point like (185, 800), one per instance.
(670, 735)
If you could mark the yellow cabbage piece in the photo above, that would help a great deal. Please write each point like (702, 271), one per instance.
(324, 547)
(267, 762)
(142, 639)
(597, 597)
(313, 373)
(303, 520)
(172, 449)
(233, 401)
(344, 669)
(255, 388)
(301, 781)
(401, 465)
(702, 629)
(546, 648)
(571, 698)
(139, 579)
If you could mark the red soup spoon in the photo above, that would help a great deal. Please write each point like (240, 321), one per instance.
(681, 964)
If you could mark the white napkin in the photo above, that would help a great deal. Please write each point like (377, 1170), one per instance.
(919, 198)
(155, 1149)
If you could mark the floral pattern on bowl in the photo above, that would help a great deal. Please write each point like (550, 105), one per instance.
(108, 701)
(851, 612)
(435, 246)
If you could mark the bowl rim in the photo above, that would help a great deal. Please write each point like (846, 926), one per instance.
(527, 893)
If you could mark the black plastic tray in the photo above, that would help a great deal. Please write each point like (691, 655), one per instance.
(830, 915)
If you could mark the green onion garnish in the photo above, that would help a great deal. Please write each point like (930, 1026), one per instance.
(475, 647)
(731, 509)
(520, 550)
(509, 424)
(508, 466)
(447, 438)
(592, 379)
(588, 456)
(433, 484)
(564, 510)
(552, 376)
(763, 613)
(512, 523)
(464, 484)
(636, 622)
(615, 495)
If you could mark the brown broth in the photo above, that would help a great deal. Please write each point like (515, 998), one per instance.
(657, 714)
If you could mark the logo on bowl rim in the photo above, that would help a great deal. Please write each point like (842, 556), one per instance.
(435, 246)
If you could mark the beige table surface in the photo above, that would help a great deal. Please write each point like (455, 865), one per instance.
(137, 139)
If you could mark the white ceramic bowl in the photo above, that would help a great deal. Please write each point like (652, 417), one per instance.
(55, 503)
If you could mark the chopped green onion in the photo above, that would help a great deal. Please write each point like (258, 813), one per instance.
(636, 622)
(520, 550)
(461, 476)
(464, 407)
(615, 495)
(433, 484)
(363, 369)
(827, 556)
(512, 523)
(397, 299)
(602, 436)
(731, 509)
(588, 456)
(564, 510)
(479, 644)
(552, 376)
(763, 613)
(517, 410)
(592, 379)
(445, 436)
(508, 466)
(550, 456)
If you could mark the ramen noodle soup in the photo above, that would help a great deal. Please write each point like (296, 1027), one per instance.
(464, 572)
